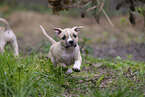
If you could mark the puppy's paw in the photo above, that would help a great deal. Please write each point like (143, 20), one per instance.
(68, 72)
(76, 69)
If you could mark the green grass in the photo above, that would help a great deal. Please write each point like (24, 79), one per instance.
(35, 76)
(20, 77)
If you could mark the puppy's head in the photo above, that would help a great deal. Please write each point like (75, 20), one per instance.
(68, 36)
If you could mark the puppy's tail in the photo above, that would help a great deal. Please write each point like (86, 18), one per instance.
(6, 22)
(52, 41)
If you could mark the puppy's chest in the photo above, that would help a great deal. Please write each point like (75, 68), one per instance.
(68, 58)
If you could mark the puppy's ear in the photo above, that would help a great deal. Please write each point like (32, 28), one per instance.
(57, 30)
(77, 29)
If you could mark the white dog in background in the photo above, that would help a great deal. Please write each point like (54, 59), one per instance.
(8, 36)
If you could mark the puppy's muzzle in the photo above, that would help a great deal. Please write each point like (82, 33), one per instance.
(71, 43)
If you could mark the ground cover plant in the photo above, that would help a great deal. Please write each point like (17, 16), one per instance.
(35, 76)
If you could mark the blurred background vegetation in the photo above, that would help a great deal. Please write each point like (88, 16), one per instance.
(112, 27)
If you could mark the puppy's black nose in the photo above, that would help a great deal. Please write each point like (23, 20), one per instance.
(71, 41)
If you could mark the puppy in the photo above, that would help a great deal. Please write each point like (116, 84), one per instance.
(7, 36)
(65, 52)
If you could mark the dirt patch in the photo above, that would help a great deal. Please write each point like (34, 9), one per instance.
(112, 51)
(106, 41)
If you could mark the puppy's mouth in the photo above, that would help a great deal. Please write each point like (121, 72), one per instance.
(70, 45)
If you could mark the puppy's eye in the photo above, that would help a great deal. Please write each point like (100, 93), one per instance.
(64, 37)
(74, 35)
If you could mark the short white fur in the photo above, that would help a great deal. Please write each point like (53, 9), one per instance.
(63, 56)
(69, 39)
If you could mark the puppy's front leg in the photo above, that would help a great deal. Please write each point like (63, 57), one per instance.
(77, 63)
(68, 72)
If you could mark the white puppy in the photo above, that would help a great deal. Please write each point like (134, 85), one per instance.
(7, 36)
(65, 52)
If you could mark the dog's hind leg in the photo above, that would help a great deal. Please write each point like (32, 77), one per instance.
(52, 59)
(2, 46)
(62, 64)
(15, 46)
(54, 62)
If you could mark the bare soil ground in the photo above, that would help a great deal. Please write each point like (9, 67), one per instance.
(106, 41)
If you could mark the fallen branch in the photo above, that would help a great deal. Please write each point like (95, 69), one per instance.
(87, 4)
(91, 8)
(101, 7)
(106, 15)
(108, 18)
(76, 4)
